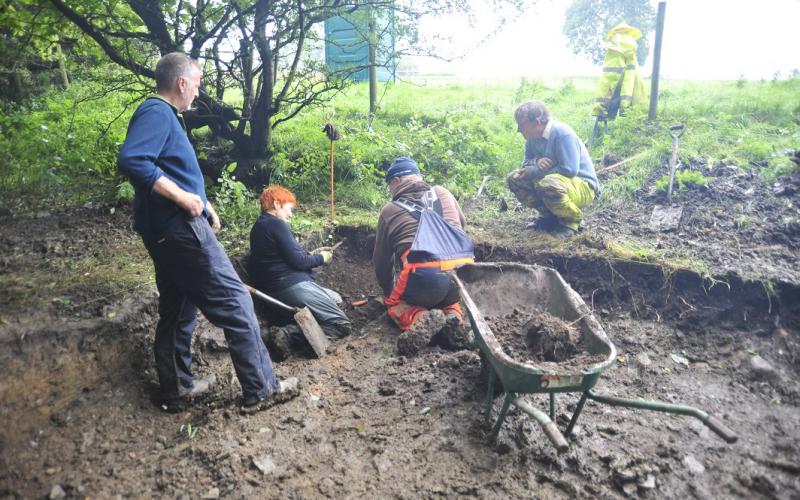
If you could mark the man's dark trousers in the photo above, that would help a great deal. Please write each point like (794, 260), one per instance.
(193, 272)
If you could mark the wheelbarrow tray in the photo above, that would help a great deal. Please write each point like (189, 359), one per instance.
(497, 289)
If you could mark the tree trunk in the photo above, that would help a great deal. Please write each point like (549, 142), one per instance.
(18, 92)
(254, 173)
(62, 68)
(260, 118)
(373, 70)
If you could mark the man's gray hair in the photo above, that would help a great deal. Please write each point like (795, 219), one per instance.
(170, 67)
(533, 112)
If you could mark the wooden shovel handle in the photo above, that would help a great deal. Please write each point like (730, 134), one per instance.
(266, 298)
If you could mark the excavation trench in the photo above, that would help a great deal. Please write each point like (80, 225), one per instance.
(78, 412)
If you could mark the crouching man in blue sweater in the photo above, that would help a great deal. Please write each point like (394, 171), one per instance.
(178, 226)
(557, 177)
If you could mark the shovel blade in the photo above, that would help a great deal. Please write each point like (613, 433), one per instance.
(312, 331)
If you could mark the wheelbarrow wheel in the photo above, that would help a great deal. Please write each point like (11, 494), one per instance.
(483, 377)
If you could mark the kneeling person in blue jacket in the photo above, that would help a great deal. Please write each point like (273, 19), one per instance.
(557, 177)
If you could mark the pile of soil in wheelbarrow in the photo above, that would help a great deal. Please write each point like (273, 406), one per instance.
(542, 339)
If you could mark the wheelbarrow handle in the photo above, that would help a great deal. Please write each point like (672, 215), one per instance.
(719, 428)
(555, 437)
(676, 131)
(263, 296)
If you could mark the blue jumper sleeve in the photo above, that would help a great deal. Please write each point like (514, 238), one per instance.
(529, 152)
(291, 252)
(568, 156)
(147, 134)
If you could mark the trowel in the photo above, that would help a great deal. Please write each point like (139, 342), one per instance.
(668, 218)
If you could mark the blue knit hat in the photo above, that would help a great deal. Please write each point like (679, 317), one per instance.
(401, 166)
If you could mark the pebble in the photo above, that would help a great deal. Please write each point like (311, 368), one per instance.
(57, 492)
(211, 494)
(643, 360)
(695, 467)
(265, 464)
(649, 483)
(760, 369)
(630, 489)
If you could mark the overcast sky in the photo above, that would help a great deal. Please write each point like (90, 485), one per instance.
(703, 39)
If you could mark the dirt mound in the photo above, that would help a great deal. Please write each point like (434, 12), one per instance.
(551, 338)
(542, 339)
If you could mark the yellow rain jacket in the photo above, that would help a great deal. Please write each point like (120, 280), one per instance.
(621, 85)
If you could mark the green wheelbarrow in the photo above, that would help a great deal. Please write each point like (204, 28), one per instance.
(501, 288)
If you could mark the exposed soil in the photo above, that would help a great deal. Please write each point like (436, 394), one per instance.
(543, 340)
(79, 418)
(736, 224)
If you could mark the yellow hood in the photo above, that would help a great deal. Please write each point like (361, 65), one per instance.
(624, 29)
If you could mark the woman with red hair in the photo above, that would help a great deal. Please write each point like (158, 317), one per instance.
(280, 267)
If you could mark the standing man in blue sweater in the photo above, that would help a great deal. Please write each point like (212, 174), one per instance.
(178, 226)
(557, 177)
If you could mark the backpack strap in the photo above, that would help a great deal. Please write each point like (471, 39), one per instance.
(429, 201)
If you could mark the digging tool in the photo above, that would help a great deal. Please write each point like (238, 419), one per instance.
(668, 218)
(333, 135)
(675, 131)
(596, 131)
(475, 200)
(329, 249)
(619, 163)
(305, 320)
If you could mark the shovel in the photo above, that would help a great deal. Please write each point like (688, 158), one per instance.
(329, 249)
(305, 320)
(668, 218)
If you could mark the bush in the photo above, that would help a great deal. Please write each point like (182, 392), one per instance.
(61, 147)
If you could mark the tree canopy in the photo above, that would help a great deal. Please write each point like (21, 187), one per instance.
(587, 22)
(260, 57)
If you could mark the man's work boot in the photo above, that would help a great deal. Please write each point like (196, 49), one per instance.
(278, 343)
(563, 232)
(543, 223)
(337, 331)
(177, 402)
(287, 389)
(421, 332)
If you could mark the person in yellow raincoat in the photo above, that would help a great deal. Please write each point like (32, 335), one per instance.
(621, 85)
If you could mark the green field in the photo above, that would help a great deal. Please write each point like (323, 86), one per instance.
(60, 148)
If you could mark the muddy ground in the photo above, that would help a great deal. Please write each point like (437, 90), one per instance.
(79, 419)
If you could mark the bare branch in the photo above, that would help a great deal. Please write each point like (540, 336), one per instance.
(104, 44)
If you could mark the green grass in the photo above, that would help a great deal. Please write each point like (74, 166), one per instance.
(683, 179)
(458, 132)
